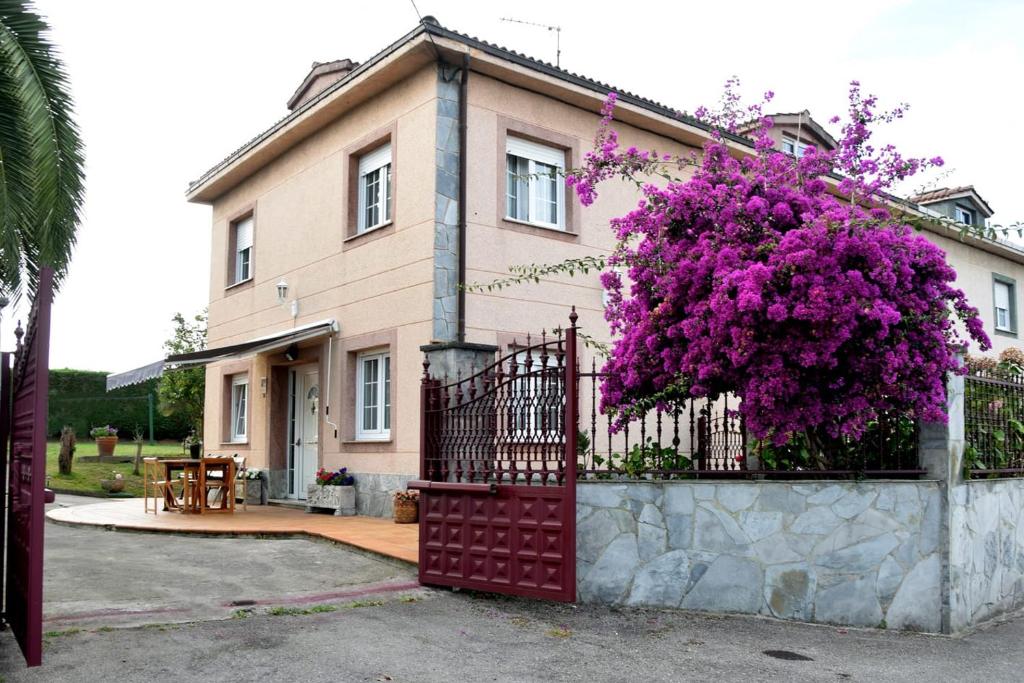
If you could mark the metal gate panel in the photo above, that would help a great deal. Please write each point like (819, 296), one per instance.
(498, 474)
(512, 541)
(27, 493)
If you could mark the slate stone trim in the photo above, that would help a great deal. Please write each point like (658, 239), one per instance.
(446, 206)
(374, 492)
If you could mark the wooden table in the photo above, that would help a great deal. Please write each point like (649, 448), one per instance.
(197, 473)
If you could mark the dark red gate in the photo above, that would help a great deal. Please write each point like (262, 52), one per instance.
(498, 474)
(24, 391)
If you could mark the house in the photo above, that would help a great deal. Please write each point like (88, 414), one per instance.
(341, 233)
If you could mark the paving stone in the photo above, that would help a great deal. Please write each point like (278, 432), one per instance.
(737, 497)
(610, 577)
(651, 541)
(851, 603)
(678, 500)
(595, 533)
(759, 524)
(661, 582)
(817, 520)
(789, 591)
(852, 503)
(859, 557)
(916, 606)
(652, 515)
(730, 584)
(890, 575)
(600, 495)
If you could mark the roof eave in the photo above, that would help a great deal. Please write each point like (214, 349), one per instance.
(311, 115)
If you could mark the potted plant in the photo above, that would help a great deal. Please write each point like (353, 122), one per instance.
(255, 487)
(193, 444)
(113, 485)
(106, 440)
(407, 506)
(334, 490)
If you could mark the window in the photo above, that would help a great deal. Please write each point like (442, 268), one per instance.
(374, 188)
(373, 396)
(239, 407)
(243, 250)
(1005, 297)
(537, 397)
(965, 216)
(534, 192)
(791, 146)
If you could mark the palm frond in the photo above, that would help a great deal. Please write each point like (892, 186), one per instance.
(38, 112)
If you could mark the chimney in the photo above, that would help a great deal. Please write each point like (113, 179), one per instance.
(321, 76)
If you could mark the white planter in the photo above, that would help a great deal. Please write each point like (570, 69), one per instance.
(340, 499)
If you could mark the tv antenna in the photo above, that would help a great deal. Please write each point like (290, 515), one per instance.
(556, 29)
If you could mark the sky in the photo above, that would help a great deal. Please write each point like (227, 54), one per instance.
(163, 91)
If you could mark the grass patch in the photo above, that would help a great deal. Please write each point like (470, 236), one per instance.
(364, 603)
(300, 611)
(409, 598)
(241, 614)
(85, 476)
(57, 634)
(560, 632)
(104, 629)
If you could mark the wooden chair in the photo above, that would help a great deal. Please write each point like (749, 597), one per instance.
(217, 484)
(153, 478)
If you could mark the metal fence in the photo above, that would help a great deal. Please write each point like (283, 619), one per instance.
(994, 423)
(703, 438)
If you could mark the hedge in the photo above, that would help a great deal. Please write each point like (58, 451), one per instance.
(79, 398)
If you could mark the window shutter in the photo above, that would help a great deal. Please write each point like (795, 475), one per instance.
(1002, 295)
(531, 150)
(378, 158)
(243, 234)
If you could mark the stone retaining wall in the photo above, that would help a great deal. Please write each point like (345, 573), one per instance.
(986, 550)
(858, 553)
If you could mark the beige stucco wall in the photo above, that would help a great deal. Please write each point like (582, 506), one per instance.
(376, 288)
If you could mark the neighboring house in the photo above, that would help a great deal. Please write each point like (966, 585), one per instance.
(340, 235)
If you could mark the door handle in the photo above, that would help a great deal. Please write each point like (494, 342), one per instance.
(298, 442)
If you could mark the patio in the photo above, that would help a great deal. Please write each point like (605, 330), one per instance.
(381, 536)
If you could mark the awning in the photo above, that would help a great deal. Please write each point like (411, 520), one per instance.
(270, 342)
(136, 376)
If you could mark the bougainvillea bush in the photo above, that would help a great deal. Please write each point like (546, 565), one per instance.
(787, 282)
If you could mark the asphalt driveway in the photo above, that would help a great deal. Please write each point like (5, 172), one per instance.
(317, 612)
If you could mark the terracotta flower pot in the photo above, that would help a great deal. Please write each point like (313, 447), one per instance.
(106, 444)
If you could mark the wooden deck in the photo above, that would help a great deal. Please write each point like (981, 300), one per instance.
(381, 536)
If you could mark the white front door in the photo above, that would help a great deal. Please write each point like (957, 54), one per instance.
(304, 428)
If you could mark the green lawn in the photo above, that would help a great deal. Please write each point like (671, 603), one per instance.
(85, 476)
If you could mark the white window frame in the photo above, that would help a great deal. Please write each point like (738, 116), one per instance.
(532, 154)
(531, 424)
(965, 216)
(374, 167)
(239, 408)
(243, 239)
(382, 430)
(1005, 316)
(794, 147)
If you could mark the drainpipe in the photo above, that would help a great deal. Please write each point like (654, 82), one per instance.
(463, 153)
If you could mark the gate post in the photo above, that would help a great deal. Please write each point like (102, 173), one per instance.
(572, 404)
(572, 414)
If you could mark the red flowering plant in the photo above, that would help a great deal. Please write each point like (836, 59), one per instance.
(407, 496)
(339, 477)
(792, 283)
